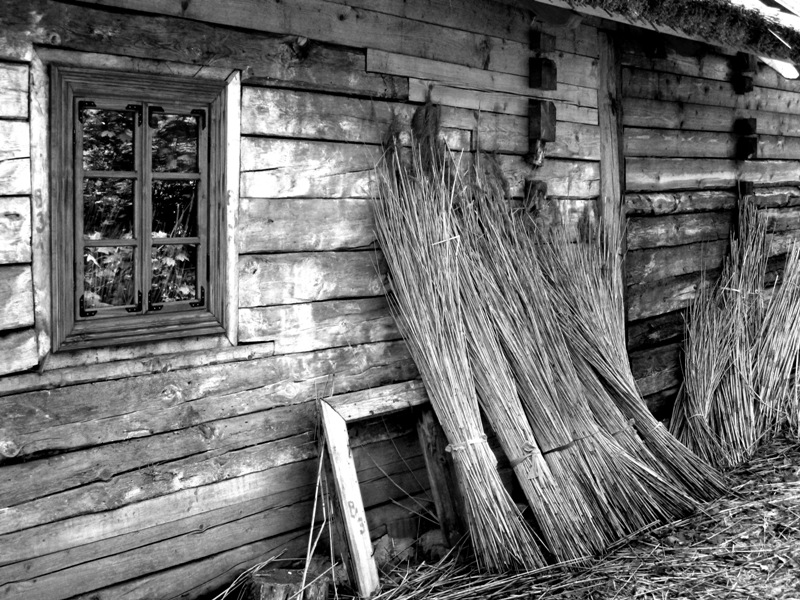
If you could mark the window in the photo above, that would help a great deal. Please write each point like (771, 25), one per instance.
(137, 182)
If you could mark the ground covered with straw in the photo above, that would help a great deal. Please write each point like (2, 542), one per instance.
(746, 544)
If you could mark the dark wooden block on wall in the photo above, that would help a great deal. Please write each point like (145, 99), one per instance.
(542, 120)
(542, 42)
(745, 63)
(748, 126)
(742, 84)
(746, 188)
(747, 147)
(542, 73)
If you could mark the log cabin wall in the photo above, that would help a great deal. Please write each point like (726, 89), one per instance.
(163, 469)
(680, 141)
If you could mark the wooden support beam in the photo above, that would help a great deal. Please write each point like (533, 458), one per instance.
(543, 73)
(349, 499)
(542, 120)
(541, 41)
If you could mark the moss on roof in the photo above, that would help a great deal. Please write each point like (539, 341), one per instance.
(718, 21)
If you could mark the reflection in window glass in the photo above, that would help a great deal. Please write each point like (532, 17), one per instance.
(175, 143)
(174, 209)
(107, 209)
(108, 276)
(108, 140)
(174, 275)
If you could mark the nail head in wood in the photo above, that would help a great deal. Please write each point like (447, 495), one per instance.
(542, 120)
(543, 73)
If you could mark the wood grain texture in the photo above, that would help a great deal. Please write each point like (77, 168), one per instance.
(657, 204)
(19, 352)
(13, 90)
(656, 369)
(677, 230)
(369, 403)
(15, 177)
(85, 415)
(300, 277)
(689, 144)
(304, 327)
(657, 113)
(16, 297)
(567, 179)
(667, 295)
(656, 331)
(654, 264)
(305, 224)
(15, 138)
(15, 230)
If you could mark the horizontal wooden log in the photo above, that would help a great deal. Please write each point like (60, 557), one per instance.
(662, 402)
(568, 179)
(304, 224)
(309, 277)
(369, 403)
(316, 325)
(654, 264)
(667, 295)
(780, 243)
(642, 112)
(639, 83)
(677, 230)
(19, 352)
(274, 168)
(15, 177)
(509, 134)
(574, 104)
(572, 70)
(263, 58)
(16, 297)
(657, 174)
(15, 138)
(15, 230)
(658, 204)
(678, 143)
(13, 90)
(656, 369)
(89, 414)
(656, 331)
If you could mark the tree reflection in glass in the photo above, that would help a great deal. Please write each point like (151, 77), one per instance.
(108, 276)
(174, 208)
(108, 140)
(174, 273)
(175, 143)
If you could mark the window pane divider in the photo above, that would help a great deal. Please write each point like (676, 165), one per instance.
(163, 176)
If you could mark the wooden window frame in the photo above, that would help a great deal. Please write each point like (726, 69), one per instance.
(69, 331)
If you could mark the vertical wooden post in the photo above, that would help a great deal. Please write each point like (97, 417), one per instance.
(444, 488)
(350, 502)
(612, 158)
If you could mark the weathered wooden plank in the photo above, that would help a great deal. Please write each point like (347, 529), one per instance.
(777, 197)
(572, 70)
(639, 83)
(657, 204)
(685, 144)
(90, 414)
(16, 297)
(15, 177)
(15, 139)
(568, 179)
(661, 403)
(351, 505)
(656, 174)
(577, 105)
(656, 369)
(666, 295)
(781, 243)
(643, 112)
(653, 264)
(677, 230)
(305, 224)
(295, 168)
(309, 277)
(373, 402)
(304, 327)
(656, 331)
(19, 352)
(15, 230)
(13, 90)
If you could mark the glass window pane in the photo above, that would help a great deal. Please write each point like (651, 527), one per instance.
(107, 209)
(108, 276)
(108, 139)
(174, 273)
(175, 143)
(174, 209)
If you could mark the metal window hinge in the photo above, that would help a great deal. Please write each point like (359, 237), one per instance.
(202, 301)
(82, 309)
(137, 108)
(201, 116)
(138, 306)
(151, 115)
(151, 305)
(82, 106)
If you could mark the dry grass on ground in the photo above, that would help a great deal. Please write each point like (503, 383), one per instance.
(744, 545)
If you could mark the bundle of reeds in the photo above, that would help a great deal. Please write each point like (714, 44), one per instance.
(414, 219)
(606, 492)
(586, 280)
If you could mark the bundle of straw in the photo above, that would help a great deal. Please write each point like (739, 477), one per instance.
(414, 218)
(607, 492)
(586, 279)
